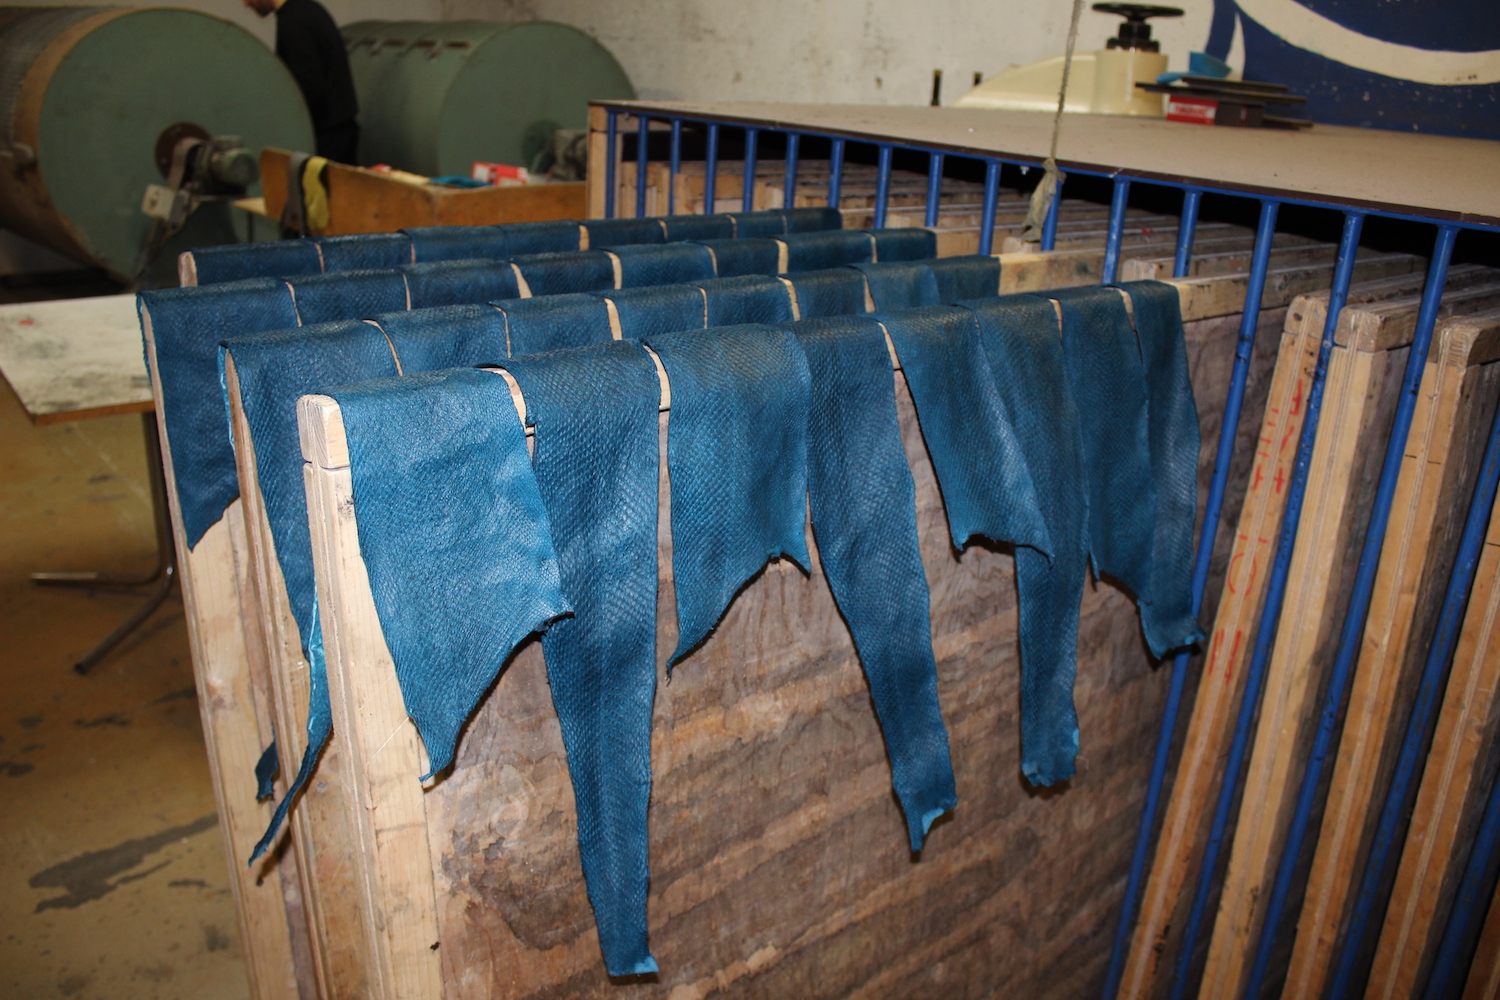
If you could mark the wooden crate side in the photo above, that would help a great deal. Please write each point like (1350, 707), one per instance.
(383, 800)
(320, 836)
(799, 881)
(214, 577)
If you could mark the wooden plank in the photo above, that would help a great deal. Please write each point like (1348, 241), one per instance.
(321, 837)
(383, 801)
(1344, 166)
(1484, 974)
(1461, 765)
(598, 151)
(214, 577)
(1360, 394)
(801, 881)
(1234, 611)
(1436, 478)
(1226, 262)
(361, 200)
(74, 359)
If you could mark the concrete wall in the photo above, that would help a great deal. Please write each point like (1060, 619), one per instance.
(856, 51)
(265, 28)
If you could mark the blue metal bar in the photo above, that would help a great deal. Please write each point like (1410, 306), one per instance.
(1116, 226)
(1187, 228)
(835, 172)
(710, 168)
(1390, 832)
(987, 213)
(611, 150)
(1265, 634)
(1350, 638)
(1465, 921)
(1244, 348)
(1049, 223)
(1180, 185)
(643, 130)
(747, 196)
(789, 185)
(882, 184)
(934, 189)
(674, 166)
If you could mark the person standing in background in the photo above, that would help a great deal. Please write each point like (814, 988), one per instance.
(310, 45)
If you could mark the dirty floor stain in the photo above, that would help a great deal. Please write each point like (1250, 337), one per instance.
(93, 874)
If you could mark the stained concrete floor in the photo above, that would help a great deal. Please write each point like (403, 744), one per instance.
(113, 878)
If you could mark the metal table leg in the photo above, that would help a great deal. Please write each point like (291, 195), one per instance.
(160, 578)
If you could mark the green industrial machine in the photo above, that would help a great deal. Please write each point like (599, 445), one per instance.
(436, 96)
(100, 104)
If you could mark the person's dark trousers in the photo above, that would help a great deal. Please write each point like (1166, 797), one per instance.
(340, 143)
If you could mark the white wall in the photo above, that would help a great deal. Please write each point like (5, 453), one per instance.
(857, 51)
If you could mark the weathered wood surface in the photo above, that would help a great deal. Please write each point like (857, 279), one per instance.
(1462, 760)
(317, 829)
(1436, 478)
(361, 200)
(1360, 396)
(1233, 610)
(75, 358)
(778, 854)
(1484, 974)
(230, 671)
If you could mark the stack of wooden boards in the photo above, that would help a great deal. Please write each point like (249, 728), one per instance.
(473, 885)
(1458, 395)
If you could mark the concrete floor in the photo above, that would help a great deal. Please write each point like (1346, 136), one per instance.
(113, 878)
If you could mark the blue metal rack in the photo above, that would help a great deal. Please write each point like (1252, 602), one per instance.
(1447, 226)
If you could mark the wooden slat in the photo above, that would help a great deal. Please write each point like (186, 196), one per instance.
(227, 661)
(799, 881)
(1234, 612)
(383, 801)
(1436, 478)
(1461, 765)
(1484, 974)
(320, 835)
(1360, 394)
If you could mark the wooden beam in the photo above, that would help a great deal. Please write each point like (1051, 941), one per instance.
(1436, 478)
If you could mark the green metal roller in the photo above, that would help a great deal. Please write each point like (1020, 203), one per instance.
(436, 96)
(93, 101)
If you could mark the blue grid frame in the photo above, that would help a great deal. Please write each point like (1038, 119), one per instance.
(1484, 861)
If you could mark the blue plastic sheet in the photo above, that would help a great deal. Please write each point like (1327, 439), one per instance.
(562, 273)
(238, 261)
(863, 505)
(836, 291)
(646, 312)
(324, 298)
(554, 322)
(663, 265)
(365, 251)
(459, 282)
(901, 285)
(1020, 340)
(443, 491)
(737, 459)
(445, 337)
(595, 414)
(187, 325)
(1172, 428)
(749, 298)
(744, 255)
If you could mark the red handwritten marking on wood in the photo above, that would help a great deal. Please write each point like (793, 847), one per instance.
(1234, 653)
(1280, 478)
